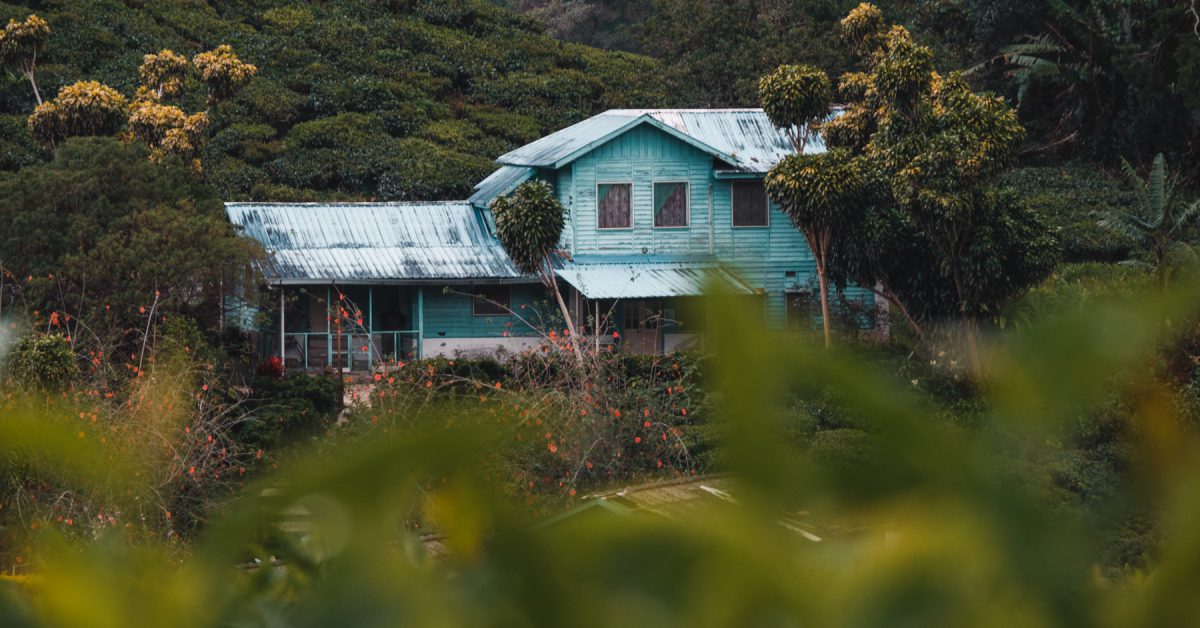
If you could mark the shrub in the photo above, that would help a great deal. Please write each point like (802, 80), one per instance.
(289, 408)
(42, 360)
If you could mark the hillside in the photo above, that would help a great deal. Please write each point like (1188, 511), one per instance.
(355, 99)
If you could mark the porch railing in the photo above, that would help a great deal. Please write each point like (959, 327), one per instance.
(348, 351)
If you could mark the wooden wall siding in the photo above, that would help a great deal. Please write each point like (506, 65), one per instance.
(762, 256)
(450, 315)
(641, 157)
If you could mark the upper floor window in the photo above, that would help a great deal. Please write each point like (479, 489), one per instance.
(491, 300)
(671, 204)
(614, 206)
(749, 204)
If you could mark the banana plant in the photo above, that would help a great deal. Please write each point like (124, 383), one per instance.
(1157, 221)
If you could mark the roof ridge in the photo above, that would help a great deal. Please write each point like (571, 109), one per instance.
(340, 203)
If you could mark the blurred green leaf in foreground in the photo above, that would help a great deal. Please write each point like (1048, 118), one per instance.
(941, 527)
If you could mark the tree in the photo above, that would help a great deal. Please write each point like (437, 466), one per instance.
(222, 72)
(820, 194)
(529, 223)
(20, 45)
(1157, 222)
(81, 109)
(164, 73)
(98, 230)
(932, 150)
(814, 190)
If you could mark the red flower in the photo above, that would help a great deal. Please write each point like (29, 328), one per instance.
(637, 439)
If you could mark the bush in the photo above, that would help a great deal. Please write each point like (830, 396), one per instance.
(290, 408)
(1069, 198)
(42, 360)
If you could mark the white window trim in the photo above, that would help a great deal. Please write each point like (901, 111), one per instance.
(687, 210)
(631, 204)
(733, 225)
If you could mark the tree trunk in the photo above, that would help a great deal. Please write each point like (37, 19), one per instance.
(32, 80)
(552, 284)
(971, 329)
(824, 299)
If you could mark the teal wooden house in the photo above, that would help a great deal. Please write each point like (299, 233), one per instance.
(658, 203)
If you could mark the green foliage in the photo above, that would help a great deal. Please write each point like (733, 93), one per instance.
(889, 515)
(289, 409)
(105, 226)
(404, 66)
(1157, 223)
(938, 235)
(794, 96)
(529, 223)
(42, 360)
(1069, 197)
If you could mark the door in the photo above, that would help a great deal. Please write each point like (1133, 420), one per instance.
(642, 323)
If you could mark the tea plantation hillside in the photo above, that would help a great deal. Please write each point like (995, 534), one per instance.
(356, 99)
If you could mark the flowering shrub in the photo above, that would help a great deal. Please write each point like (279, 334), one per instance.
(567, 428)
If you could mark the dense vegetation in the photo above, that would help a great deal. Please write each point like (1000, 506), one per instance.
(1043, 475)
(392, 100)
(1093, 78)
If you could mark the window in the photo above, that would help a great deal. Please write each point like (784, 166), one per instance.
(613, 205)
(749, 204)
(671, 204)
(490, 300)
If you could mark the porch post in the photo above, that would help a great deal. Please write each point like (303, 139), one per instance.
(420, 322)
(370, 325)
(282, 346)
(328, 329)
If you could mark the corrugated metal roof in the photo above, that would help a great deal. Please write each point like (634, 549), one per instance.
(372, 242)
(743, 137)
(499, 183)
(649, 280)
(562, 147)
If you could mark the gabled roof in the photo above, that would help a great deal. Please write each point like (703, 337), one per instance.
(562, 147)
(743, 138)
(499, 183)
(311, 243)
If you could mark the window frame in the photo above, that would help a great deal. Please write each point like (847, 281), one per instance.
(477, 290)
(766, 207)
(687, 211)
(631, 191)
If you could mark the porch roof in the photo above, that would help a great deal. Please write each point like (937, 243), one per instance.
(321, 243)
(645, 280)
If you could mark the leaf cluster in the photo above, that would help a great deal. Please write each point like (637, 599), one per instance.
(529, 223)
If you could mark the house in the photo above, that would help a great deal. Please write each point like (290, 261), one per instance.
(658, 202)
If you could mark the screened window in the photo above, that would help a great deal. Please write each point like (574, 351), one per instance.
(749, 204)
(613, 205)
(491, 300)
(670, 204)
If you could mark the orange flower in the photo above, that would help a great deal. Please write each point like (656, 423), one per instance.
(553, 448)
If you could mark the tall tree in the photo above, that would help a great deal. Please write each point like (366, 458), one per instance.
(529, 224)
(814, 190)
(933, 150)
(20, 45)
